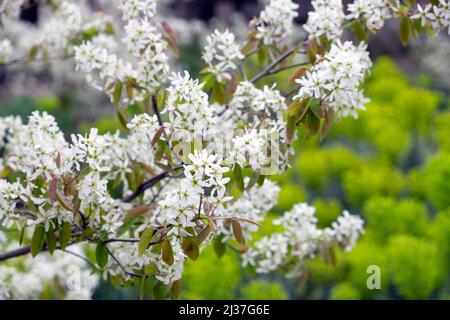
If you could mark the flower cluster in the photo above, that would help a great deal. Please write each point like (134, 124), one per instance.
(136, 8)
(374, 12)
(260, 113)
(74, 279)
(336, 79)
(276, 21)
(438, 16)
(326, 19)
(302, 239)
(221, 54)
(188, 108)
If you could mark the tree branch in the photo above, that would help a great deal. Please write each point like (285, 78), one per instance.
(150, 183)
(280, 59)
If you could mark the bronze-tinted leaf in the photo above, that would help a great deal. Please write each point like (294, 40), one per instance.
(167, 252)
(190, 247)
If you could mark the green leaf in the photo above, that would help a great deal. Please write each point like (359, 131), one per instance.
(159, 290)
(127, 224)
(143, 287)
(37, 241)
(314, 105)
(237, 231)
(219, 246)
(51, 240)
(218, 92)
(150, 269)
(101, 255)
(238, 177)
(404, 30)
(312, 123)
(167, 252)
(205, 232)
(262, 55)
(145, 240)
(327, 124)
(176, 289)
(190, 247)
(64, 235)
(22, 234)
(290, 127)
(117, 92)
(253, 179)
(360, 32)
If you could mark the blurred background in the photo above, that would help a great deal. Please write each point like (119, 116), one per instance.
(391, 166)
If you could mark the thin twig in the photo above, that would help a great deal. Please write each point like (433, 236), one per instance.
(130, 274)
(82, 258)
(280, 59)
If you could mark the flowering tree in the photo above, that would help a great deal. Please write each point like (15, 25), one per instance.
(191, 170)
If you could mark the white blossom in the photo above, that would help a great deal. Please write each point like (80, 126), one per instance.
(276, 21)
(336, 79)
(222, 54)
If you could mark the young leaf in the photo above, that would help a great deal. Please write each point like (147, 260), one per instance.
(176, 289)
(117, 92)
(328, 124)
(22, 234)
(237, 231)
(150, 269)
(101, 255)
(51, 240)
(146, 238)
(136, 211)
(190, 247)
(219, 246)
(170, 32)
(143, 287)
(37, 241)
(297, 74)
(404, 30)
(52, 190)
(167, 252)
(159, 290)
(238, 177)
(204, 233)
(64, 235)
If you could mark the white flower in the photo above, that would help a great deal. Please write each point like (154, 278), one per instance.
(221, 53)
(423, 14)
(336, 79)
(276, 21)
(135, 8)
(374, 11)
(347, 229)
(325, 20)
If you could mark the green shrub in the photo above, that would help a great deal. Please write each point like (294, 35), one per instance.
(415, 266)
(327, 211)
(437, 180)
(263, 290)
(416, 184)
(313, 168)
(344, 291)
(442, 130)
(210, 277)
(389, 216)
(371, 180)
(289, 195)
(365, 254)
(341, 159)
